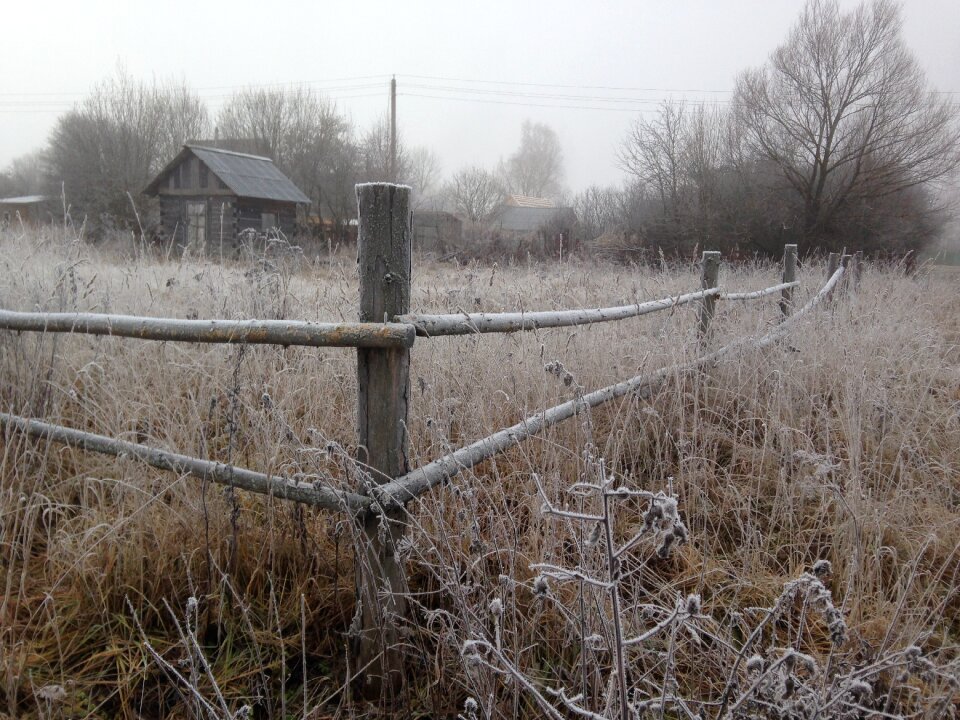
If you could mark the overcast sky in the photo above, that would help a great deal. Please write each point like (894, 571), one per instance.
(468, 74)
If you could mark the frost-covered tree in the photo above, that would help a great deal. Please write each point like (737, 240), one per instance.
(474, 193)
(536, 168)
(115, 140)
(844, 112)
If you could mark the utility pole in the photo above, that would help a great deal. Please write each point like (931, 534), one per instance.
(393, 129)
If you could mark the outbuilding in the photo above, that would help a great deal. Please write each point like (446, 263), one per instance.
(208, 197)
(26, 207)
(536, 225)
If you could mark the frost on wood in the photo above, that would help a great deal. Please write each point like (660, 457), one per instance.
(288, 489)
(470, 323)
(262, 332)
(416, 482)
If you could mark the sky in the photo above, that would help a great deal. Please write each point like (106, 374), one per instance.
(468, 74)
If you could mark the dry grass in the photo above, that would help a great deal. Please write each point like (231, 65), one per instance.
(843, 444)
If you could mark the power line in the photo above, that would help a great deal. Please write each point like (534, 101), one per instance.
(319, 83)
(525, 104)
(598, 87)
(549, 96)
(556, 85)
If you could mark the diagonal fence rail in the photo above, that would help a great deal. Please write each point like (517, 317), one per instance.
(417, 482)
(298, 490)
(383, 357)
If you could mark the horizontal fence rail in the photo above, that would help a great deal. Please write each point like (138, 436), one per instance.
(415, 483)
(470, 323)
(296, 490)
(757, 294)
(261, 332)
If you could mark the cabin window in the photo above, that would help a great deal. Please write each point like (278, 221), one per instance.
(204, 175)
(268, 221)
(175, 176)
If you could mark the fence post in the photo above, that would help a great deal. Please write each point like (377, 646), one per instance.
(833, 262)
(789, 276)
(709, 276)
(845, 281)
(857, 269)
(383, 379)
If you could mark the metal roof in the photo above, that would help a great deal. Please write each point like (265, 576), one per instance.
(23, 200)
(248, 176)
(530, 219)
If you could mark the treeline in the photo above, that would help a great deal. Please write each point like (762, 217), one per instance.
(837, 141)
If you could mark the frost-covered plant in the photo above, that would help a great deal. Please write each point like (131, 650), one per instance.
(661, 526)
(767, 675)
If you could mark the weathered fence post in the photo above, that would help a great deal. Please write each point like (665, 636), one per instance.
(383, 378)
(845, 281)
(833, 262)
(709, 276)
(857, 269)
(789, 276)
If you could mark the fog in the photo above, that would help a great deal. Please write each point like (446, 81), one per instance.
(467, 75)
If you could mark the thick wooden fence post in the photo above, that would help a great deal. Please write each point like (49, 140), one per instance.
(383, 380)
(789, 276)
(709, 276)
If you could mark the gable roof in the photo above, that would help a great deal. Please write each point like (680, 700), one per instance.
(531, 219)
(248, 176)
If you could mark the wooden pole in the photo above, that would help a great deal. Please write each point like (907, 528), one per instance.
(845, 281)
(833, 262)
(383, 380)
(789, 276)
(261, 332)
(472, 323)
(857, 269)
(393, 129)
(709, 276)
(310, 491)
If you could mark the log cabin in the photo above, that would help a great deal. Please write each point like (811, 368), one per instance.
(207, 197)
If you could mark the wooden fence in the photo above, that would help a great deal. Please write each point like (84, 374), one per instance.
(383, 339)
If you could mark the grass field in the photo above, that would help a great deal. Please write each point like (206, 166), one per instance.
(841, 443)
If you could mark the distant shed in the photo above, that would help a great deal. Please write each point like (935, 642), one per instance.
(207, 197)
(28, 207)
(437, 231)
(538, 221)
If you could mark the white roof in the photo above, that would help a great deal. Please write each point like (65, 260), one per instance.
(23, 199)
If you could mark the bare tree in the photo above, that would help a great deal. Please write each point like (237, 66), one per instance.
(423, 171)
(302, 131)
(375, 153)
(26, 175)
(475, 193)
(598, 210)
(114, 141)
(536, 168)
(843, 112)
(653, 153)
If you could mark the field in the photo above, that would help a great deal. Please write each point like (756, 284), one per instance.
(841, 443)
